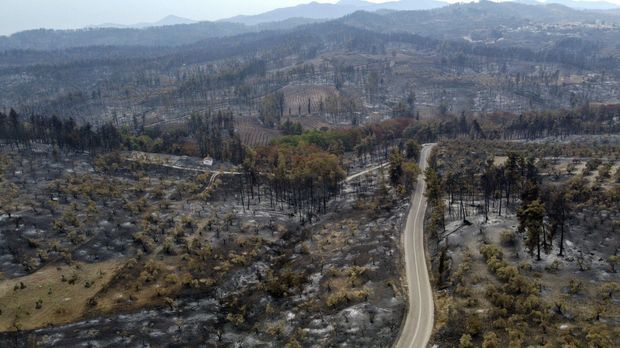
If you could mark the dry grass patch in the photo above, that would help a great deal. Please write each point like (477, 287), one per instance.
(443, 302)
(53, 295)
(500, 160)
(141, 285)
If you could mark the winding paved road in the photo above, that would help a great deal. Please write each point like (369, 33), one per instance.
(419, 322)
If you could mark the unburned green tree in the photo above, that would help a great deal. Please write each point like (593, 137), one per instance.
(531, 220)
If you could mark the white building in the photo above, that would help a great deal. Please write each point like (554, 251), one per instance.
(207, 161)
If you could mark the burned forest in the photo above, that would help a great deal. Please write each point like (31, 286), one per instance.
(350, 174)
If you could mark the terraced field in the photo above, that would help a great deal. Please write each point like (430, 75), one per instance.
(253, 133)
(296, 98)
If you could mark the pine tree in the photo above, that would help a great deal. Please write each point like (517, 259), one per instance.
(531, 220)
(396, 167)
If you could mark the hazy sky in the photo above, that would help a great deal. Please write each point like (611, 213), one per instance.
(20, 15)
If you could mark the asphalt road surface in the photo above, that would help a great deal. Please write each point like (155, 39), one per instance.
(419, 322)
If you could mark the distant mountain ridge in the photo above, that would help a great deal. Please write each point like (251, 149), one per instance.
(166, 21)
(456, 20)
(167, 35)
(449, 22)
(315, 10)
(585, 5)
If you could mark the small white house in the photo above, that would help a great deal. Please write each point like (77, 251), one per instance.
(207, 161)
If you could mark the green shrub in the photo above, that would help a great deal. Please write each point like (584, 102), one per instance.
(508, 238)
(489, 250)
